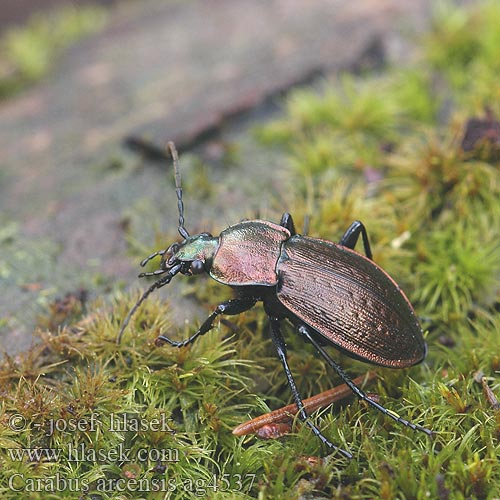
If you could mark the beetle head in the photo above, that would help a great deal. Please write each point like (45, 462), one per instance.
(194, 254)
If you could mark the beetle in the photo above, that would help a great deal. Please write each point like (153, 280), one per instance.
(332, 294)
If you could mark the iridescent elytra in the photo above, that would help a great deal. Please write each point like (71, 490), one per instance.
(332, 294)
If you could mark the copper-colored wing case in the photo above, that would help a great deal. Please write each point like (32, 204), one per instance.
(350, 301)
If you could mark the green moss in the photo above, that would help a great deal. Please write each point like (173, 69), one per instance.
(463, 41)
(459, 268)
(375, 149)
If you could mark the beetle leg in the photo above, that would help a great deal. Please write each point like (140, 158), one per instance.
(303, 330)
(351, 236)
(230, 307)
(287, 223)
(279, 343)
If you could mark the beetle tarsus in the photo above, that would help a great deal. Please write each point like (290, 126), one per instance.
(230, 307)
(303, 330)
(279, 343)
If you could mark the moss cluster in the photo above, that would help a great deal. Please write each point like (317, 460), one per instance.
(386, 149)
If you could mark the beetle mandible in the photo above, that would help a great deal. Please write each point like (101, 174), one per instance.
(332, 294)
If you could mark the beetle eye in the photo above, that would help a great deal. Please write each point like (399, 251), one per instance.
(197, 267)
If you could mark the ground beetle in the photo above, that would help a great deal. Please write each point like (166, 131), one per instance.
(332, 294)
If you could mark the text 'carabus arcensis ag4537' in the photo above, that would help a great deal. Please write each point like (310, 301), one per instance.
(330, 293)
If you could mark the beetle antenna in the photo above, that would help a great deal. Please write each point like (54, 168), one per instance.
(157, 284)
(178, 190)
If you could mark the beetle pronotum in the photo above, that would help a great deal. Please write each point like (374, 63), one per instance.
(329, 292)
